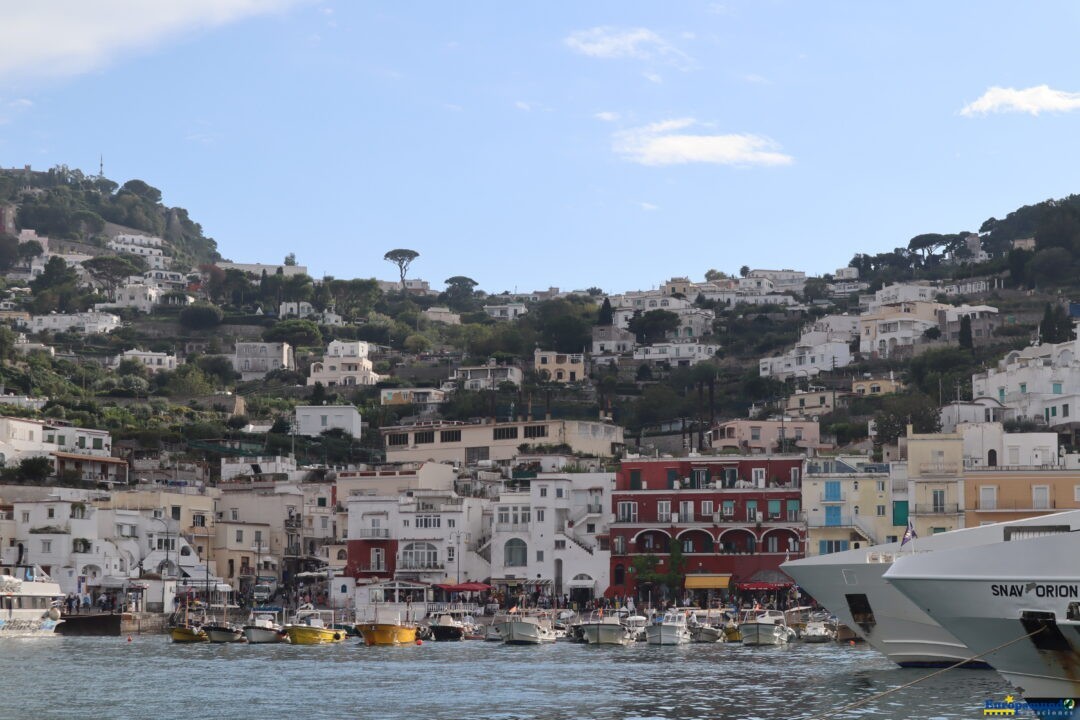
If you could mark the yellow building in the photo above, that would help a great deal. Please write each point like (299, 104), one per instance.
(811, 404)
(560, 367)
(935, 464)
(876, 386)
(851, 503)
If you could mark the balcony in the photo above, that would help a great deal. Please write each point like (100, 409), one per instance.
(938, 469)
(376, 568)
(1016, 506)
(594, 509)
(833, 497)
(512, 527)
(420, 567)
(373, 533)
(936, 509)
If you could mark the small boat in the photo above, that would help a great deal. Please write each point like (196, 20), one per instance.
(263, 627)
(385, 633)
(534, 628)
(765, 627)
(446, 627)
(671, 629)
(223, 632)
(820, 628)
(707, 626)
(637, 625)
(309, 627)
(494, 631)
(606, 630)
(187, 633)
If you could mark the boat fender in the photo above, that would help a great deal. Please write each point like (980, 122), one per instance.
(419, 641)
(54, 614)
(337, 636)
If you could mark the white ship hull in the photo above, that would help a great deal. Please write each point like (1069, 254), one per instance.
(258, 635)
(28, 627)
(601, 633)
(900, 629)
(992, 596)
(26, 604)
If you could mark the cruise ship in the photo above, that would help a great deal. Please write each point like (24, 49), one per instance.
(852, 585)
(28, 602)
(1014, 602)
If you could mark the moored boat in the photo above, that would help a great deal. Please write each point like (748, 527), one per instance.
(223, 632)
(820, 628)
(263, 628)
(765, 627)
(445, 627)
(387, 633)
(532, 628)
(187, 633)
(605, 630)
(28, 603)
(671, 629)
(309, 627)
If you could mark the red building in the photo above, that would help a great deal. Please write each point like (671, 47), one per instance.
(733, 517)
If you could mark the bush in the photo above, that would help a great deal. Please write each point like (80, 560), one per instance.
(201, 316)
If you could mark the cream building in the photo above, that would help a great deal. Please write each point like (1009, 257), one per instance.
(560, 367)
(851, 502)
(469, 444)
(935, 464)
(345, 363)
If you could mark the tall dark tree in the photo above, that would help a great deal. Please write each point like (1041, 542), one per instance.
(965, 339)
(109, 271)
(459, 294)
(607, 315)
(403, 258)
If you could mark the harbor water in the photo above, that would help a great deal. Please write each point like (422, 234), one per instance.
(149, 677)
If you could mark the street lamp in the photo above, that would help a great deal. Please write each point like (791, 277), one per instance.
(457, 535)
(165, 524)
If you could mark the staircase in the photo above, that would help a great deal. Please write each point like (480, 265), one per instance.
(575, 541)
(483, 548)
(862, 527)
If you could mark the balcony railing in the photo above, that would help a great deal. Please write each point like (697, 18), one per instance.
(373, 533)
(936, 509)
(594, 508)
(1016, 505)
(379, 567)
(942, 468)
(512, 527)
(833, 497)
(420, 566)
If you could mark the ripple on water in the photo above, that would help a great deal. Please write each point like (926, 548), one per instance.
(153, 678)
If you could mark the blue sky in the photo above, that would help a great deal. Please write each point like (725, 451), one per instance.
(536, 144)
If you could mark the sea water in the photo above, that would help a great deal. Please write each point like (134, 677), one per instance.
(150, 677)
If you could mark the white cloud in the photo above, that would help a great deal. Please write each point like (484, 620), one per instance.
(72, 37)
(607, 116)
(648, 207)
(662, 144)
(452, 107)
(1033, 100)
(638, 43)
(21, 103)
(522, 105)
(653, 77)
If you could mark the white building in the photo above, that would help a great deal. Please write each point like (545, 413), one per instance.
(611, 340)
(442, 315)
(155, 257)
(311, 420)
(140, 296)
(85, 322)
(155, 362)
(782, 280)
(126, 240)
(807, 360)
(256, 466)
(345, 363)
(508, 311)
(979, 410)
(550, 537)
(425, 400)
(986, 444)
(676, 354)
(257, 269)
(1040, 382)
(296, 309)
(168, 280)
(484, 377)
(253, 360)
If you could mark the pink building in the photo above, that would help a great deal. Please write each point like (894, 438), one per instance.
(764, 436)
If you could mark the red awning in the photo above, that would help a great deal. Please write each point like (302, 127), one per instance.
(762, 586)
(464, 587)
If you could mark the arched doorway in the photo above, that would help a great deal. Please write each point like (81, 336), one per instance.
(991, 458)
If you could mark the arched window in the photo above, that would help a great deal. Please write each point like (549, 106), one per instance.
(342, 555)
(419, 555)
(515, 553)
(185, 551)
(991, 458)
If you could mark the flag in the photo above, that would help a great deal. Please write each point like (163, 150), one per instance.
(909, 534)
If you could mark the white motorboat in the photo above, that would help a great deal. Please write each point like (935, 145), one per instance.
(820, 628)
(223, 632)
(637, 624)
(850, 585)
(29, 603)
(528, 629)
(707, 626)
(1017, 602)
(606, 630)
(671, 629)
(765, 627)
(264, 628)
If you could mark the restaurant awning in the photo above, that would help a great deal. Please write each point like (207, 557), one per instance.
(464, 587)
(762, 586)
(707, 582)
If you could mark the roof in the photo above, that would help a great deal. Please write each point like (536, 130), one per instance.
(98, 458)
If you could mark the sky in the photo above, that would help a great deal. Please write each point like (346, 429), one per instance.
(527, 145)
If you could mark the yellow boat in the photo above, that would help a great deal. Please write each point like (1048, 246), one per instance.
(387, 633)
(188, 634)
(309, 628)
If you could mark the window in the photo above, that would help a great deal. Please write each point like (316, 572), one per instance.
(635, 479)
(938, 500)
(325, 522)
(51, 513)
(506, 433)
(419, 556)
(560, 544)
(504, 515)
(175, 509)
(881, 486)
(627, 512)
(234, 513)
(1023, 388)
(428, 521)
(450, 550)
(1057, 388)
(590, 528)
(540, 515)
(536, 431)
(258, 537)
(97, 444)
(322, 420)
(321, 501)
(1040, 497)
(543, 491)
(880, 511)
(728, 508)
(450, 522)
(663, 511)
(539, 556)
(1065, 410)
(239, 536)
(759, 476)
(560, 492)
(686, 510)
(26, 517)
(397, 439)
(987, 497)
(706, 507)
(755, 433)
(1076, 493)
(515, 553)
(198, 520)
(424, 438)
(830, 546)
(448, 436)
